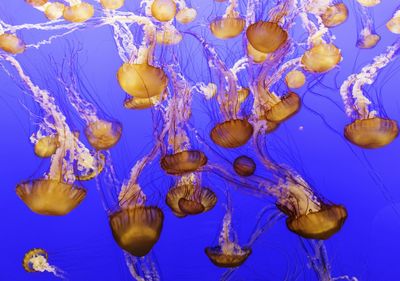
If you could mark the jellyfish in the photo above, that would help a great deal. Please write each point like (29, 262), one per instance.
(46, 146)
(168, 35)
(368, 129)
(335, 15)
(36, 3)
(230, 24)
(228, 253)
(112, 4)
(102, 134)
(394, 23)
(180, 158)
(36, 260)
(78, 11)
(10, 43)
(321, 58)
(135, 226)
(163, 10)
(55, 194)
(295, 79)
(188, 197)
(186, 15)
(244, 166)
(235, 130)
(367, 37)
(369, 3)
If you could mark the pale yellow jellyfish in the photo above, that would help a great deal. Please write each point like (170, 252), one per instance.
(369, 3)
(163, 10)
(78, 12)
(112, 4)
(10, 43)
(54, 11)
(36, 260)
(295, 79)
(46, 146)
(186, 15)
(335, 15)
(394, 23)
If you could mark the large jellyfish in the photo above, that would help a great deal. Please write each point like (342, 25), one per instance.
(368, 129)
(230, 25)
(55, 193)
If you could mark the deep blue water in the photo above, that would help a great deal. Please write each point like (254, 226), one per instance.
(81, 243)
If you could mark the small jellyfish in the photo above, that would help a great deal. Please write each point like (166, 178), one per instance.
(36, 3)
(10, 43)
(168, 35)
(230, 24)
(79, 12)
(36, 260)
(244, 166)
(88, 174)
(228, 254)
(112, 4)
(335, 15)
(369, 3)
(142, 80)
(321, 58)
(255, 55)
(232, 133)
(183, 162)
(189, 198)
(394, 23)
(46, 146)
(137, 229)
(295, 79)
(367, 37)
(103, 134)
(50, 197)
(186, 15)
(266, 37)
(163, 10)
(54, 11)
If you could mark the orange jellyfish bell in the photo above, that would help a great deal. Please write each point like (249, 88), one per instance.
(295, 79)
(368, 41)
(168, 37)
(186, 15)
(255, 55)
(54, 11)
(318, 225)
(79, 12)
(137, 229)
(36, 3)
(163, 10)
(141, 103)
(46, 146)
(188, 199)
(226, 28)
(321, 58)
(371, 133)
(288, 106)
(221, 259)
(142, 80)
(183, 162)
(112, 4)
(93, 172)
(335, 15)
(10, 43)
(232, 133)
(266, 37)
(244, 166)
(50, 197)
(369, 3)
(103, 134)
